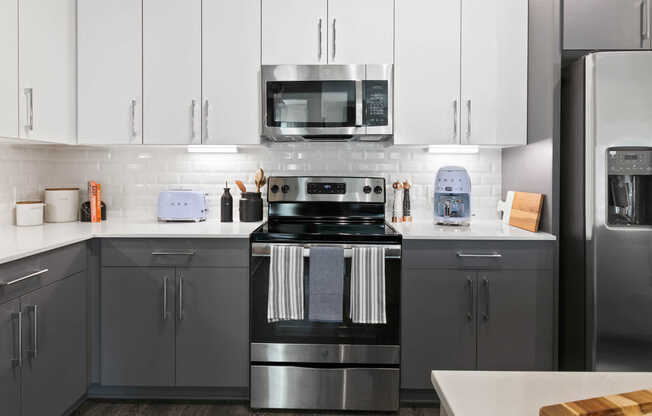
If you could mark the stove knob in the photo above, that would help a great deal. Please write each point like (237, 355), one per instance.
(366, 189)
(378, 189)
(274, 189)
(285, 189)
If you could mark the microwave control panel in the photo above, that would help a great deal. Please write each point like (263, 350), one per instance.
(376, 108)
(629, 161)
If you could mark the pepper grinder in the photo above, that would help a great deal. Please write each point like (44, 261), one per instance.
(397, 207)
(407, 215)
(226, 204)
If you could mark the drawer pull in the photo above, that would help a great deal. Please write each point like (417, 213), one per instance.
(486, 256)
(20, 279)
(174, 252)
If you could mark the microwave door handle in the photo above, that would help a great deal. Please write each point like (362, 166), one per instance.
(358, 104)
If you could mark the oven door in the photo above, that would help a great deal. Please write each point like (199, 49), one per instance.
(305, 341)
(313, 100)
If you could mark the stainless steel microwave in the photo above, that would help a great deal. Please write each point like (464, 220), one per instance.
(327, 102)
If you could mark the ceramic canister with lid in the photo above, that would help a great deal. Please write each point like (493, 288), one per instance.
(29, 213)
(62, 204)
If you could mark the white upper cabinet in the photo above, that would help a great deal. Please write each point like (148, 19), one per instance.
(427, 72)
(9, 68)
(361, 31)
(294, 32)
(328, 32)
(47, 70)
(110, 72)
(172, 71)
(231, 72)
(494, 72)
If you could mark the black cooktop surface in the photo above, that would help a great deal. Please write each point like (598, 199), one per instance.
(325, 232)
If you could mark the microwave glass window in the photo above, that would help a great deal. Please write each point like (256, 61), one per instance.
(311, 104)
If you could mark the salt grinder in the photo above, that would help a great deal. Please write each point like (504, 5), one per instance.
(397, 207)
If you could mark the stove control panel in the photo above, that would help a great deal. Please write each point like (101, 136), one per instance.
(325, 189)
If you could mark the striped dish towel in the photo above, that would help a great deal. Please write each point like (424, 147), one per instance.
(285, 299)
(368, 286)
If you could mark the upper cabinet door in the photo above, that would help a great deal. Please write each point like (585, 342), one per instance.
(494, 72)
(427, 72)
(172, 71)
(9, 68)
(361, 31)
(606, 24)
(47, 70)
(294, 32)
(231, 71)
(110, 71)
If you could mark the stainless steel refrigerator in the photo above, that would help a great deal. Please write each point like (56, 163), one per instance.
(606, 207)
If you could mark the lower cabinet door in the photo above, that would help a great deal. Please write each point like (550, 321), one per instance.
(515, 320)
(438, 324)
(137, 326)
(9, 350)
(212, 337)
(54, 372)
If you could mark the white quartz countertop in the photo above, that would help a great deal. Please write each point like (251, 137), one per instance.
(507, 393)
(478, 230)
(19, 242)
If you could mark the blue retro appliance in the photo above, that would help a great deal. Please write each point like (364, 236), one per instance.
(452, 196)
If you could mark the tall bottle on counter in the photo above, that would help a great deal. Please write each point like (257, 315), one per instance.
(226, 205)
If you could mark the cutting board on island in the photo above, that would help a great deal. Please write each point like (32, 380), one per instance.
(626, 404)
(526, 211)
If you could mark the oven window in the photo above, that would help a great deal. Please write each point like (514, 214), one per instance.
(311, 104)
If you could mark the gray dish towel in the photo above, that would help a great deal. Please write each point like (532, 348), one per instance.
(368, 285)
(326, 284)
(285, 298)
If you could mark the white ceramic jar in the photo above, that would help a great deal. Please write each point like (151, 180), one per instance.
(61, 204)
(29, 213)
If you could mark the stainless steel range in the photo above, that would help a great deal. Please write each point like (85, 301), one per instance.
(350, 360)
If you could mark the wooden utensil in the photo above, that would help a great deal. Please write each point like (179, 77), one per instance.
(241, 185)
(634, 403)
(526, 211)
(259, 179)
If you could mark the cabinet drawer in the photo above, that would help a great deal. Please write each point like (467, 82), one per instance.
(525, 255)
(24, 275)
(175, 252)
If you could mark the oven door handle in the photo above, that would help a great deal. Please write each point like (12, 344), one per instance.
(264, 249)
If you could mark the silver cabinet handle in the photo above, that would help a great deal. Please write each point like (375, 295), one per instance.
(645, 20)
(34, 350)
(485, 283)
(20, 279)
(165, 299)
(334, 39)
(132, 114)
(180, 297)
(205, 117)
(190, 252)
(468, 121)
(454, 121)
(193, 108)
(491, 255)
(29, 103)
(319, 40)
(469, 314)
(17, 361)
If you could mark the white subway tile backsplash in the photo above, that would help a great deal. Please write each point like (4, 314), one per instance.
(131, 178)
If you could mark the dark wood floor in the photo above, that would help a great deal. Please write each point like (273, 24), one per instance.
(146, 408)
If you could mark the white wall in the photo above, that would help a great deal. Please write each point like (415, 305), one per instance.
(131, 177)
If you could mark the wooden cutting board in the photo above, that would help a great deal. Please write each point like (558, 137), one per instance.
(526, 211)
(636, 403)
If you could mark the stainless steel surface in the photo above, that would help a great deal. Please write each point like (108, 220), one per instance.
(468, 121)
(358, 103)
(319, 40)
(485, 284)
(180, 297)
(334, 39)
(645, 26)
(469, 283)
(205, 134)
(20, 279)
(29, 102)
(193, 109)
(287, 387)
(165, 299)
(34, 310)
(454, 139)
(132, 112)
(18, 359)
(472, 255)
(264, 249)
(298, 189)
(325, 353)
(172, 252)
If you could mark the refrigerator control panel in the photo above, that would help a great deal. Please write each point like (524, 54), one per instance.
(629, 160)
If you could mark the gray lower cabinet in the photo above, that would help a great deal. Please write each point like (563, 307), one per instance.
(137, 326)
(9, 350)
(54, 347)
(212, 331)
(439, 324)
